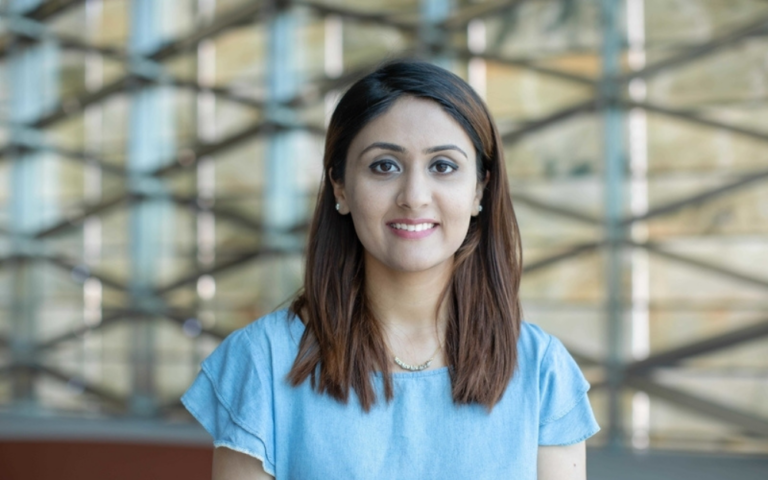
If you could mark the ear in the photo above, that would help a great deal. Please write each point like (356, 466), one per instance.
(479, 194)
(339, 193)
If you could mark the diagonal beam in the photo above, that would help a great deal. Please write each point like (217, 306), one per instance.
(118, 315)
(700, 264)
(118, 401)
(559, 257)
(51, 8)
(232, 215)
(146, 71)
(694, 53)
(61, 262)
(114, 317)
(693, 118)
(551, 119)
(63, 110)
(461, 18)
(218, 268)
(65, 264)
(245, 14)
(36, 143)
(699, 198)
(180, 318)
(561, 210)
(702, 347)
(88, 211)
(381, 18)
(249, 12)
(246, 134)
(203, 149)
(746, 421)
(527, 64)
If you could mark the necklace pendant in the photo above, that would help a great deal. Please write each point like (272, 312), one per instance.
(413, 368)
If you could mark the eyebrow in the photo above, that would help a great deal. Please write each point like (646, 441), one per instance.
(440, 148)
(397, 148)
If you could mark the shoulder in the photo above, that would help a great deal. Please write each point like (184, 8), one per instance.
(534, 342)
(544, 356)
(264, 341)
(277, 326)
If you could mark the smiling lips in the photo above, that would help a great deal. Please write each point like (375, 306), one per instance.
(412, 229)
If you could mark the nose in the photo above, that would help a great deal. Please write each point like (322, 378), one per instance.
(415, 191)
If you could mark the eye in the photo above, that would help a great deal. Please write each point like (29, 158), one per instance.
(384, 166)
(444, 167)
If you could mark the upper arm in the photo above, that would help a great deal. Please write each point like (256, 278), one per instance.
(568, 462)
(231, 465)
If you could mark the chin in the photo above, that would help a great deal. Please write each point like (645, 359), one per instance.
(416, 265)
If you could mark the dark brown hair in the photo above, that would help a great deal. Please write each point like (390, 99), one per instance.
(343, 343)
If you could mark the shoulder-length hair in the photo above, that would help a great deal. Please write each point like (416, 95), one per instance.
(343, 343)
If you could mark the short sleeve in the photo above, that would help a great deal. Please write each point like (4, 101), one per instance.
(565, 415)
(231, 399)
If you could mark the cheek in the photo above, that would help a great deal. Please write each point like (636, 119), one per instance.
(367, 208)
(365, 202)
(459, 205)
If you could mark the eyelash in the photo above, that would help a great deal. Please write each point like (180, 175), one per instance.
(450, 165)
(375, 166)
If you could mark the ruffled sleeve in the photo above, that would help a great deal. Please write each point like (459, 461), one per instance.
(231, 399)
(565, 415)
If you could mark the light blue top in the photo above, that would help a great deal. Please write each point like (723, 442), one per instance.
(242, 397)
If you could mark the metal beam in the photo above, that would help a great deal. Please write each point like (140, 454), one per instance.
(33, 82)
(219, 267)
(162, 52)
(141, 70)
(247, 13)
(50, 8)
(527, 64)
(152, 139)
(110, 319)
(714, 343)
(27, 141)
(246, 134)
(693, 118)
(699, 198)
(85, 210)
(461, 18)
(69, 266)
(548, 120)
(126, 315)
(559, 257)
(614, 160)
(700, 264)
(112, 399)
(731, 38)
(561, 210)
(744, 420)
(358, 15)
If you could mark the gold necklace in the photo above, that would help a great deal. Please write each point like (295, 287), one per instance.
(417, 368)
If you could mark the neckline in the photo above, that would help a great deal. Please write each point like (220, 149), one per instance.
(423, 373)
(395, 375)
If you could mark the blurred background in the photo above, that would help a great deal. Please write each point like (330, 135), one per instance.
(159, 161)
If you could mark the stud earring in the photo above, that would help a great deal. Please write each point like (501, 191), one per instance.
(479, 208)
(337, 207)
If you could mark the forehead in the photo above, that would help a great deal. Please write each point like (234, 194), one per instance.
(414, 123)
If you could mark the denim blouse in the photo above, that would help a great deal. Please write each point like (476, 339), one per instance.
(242, 397)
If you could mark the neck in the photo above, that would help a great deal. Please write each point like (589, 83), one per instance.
(406, 303)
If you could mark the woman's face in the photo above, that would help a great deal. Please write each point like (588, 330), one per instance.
(411, 186)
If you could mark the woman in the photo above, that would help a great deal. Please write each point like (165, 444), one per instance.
(405, 355)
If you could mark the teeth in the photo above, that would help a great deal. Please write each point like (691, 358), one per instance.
(413, 228)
